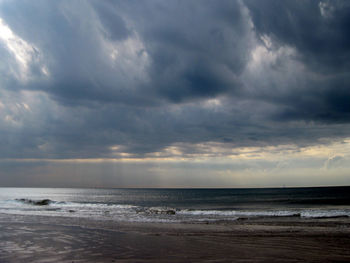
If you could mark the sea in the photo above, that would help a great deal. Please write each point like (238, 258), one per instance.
(177, 205)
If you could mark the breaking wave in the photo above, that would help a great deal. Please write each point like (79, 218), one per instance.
(130, 213)
(305, 213)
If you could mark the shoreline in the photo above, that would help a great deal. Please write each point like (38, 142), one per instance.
(53, 239)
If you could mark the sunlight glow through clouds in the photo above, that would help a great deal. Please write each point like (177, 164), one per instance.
(265, 54)
(238, 88)
(222, 152)
(23, 52)
(243, 167)
(128, 56)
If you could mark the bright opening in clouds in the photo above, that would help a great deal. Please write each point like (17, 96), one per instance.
(174, 93)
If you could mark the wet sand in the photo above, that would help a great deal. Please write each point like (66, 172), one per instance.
(49, 239)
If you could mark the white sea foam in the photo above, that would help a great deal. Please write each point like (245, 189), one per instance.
(133, 213)
(238, 213)
(318, 213)
(306, 213)
(91, 205)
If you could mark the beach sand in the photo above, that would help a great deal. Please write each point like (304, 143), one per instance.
(50, 239)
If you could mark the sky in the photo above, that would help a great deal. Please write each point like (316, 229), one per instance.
(178, 93)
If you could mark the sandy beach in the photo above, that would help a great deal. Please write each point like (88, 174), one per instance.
(50, 239)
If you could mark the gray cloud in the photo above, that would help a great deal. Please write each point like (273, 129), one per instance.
(317, 29)
(319, 32)
(335, 162)
(147, 75)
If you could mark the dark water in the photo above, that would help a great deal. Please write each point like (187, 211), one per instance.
(177, 205)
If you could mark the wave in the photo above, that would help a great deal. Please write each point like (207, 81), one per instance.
(49, 202)
(239, 214)
(306, 213)
(157, 210)
(93, 205)
(325, 213)
(129, 212)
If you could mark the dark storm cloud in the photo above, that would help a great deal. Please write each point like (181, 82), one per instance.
(197, 49)
(319, 30)
(71, 39)
(142, 76)
(113, 25)
(322, 101)
(194, 50)
(320, 33)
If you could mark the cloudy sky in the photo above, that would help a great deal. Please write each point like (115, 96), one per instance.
(174, 93)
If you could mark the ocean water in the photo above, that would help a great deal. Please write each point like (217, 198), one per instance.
(177, 205)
